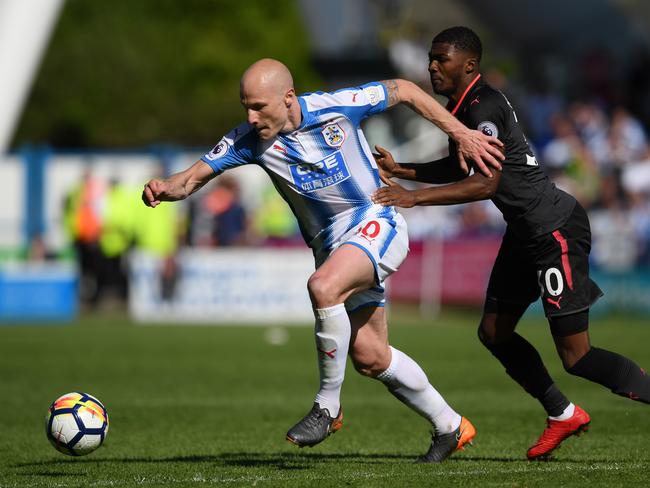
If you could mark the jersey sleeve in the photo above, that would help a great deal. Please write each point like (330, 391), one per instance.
(234, 149)
(356, 103)
(487, 113)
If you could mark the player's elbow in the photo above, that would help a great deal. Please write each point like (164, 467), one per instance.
(406, 91)
(487, 187)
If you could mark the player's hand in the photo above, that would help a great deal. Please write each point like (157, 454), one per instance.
(394, 195)
(385, 163)
(154, 192)
(481, 149)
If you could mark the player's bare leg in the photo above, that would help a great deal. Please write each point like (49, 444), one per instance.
(347, 271)
(372, 356)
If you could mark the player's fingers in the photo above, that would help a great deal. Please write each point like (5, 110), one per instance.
(381, 150)
(482, 167)
(381, 192)
(386, 179)
(382, 200)
(497, 155)
(147, 195)
(494, 141)
(488, 157)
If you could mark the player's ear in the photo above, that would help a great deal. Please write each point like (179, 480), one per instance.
(289, 96)
(471, 65)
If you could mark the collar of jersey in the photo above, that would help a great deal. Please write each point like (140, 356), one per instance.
(464, 95)
(305, 113)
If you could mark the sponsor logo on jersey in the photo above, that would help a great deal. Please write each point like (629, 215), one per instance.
(219, 150)
(329, 171)
(373, 94)
(531, 160)
(488, 128)
(334, 135)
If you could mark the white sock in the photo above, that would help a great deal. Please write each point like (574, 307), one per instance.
(409, 384)
(566, 414)
(332, 341)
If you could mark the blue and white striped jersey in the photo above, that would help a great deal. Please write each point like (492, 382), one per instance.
(324, 169)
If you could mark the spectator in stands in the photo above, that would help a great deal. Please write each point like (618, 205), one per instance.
(228, 215)
(569, 162)
(116, 238)
(83, 225)
(159, 234)
(627, 138)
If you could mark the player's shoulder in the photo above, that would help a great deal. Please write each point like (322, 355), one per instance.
(242, 133)
(487, 96)
(350, 97)
(241, 138)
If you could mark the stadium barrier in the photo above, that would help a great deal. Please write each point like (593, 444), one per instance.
(38, 292)
(224, 286)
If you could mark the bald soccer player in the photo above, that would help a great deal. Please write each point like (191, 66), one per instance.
(314, 151)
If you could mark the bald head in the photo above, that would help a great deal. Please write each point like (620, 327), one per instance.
(267, 74)
(268, 96)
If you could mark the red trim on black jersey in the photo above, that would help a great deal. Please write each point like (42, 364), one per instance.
(564, 246)
(469, 87)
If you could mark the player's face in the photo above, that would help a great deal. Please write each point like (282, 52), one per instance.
(446, 68)
(266, 111)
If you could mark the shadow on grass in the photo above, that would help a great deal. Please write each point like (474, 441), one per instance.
(53, 474)
(286, 461)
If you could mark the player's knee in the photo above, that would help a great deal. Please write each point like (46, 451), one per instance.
(570, 358)
(322, 291)
(487, 337)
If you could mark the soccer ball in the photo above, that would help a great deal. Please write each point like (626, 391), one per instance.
(76, 424)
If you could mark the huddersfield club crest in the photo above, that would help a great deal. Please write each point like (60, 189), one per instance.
(334, 135)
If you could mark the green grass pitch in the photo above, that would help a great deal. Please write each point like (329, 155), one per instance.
(209, 406)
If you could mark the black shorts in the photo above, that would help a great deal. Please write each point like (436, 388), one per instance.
(553, 265)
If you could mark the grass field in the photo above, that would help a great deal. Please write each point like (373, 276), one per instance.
(202, 406)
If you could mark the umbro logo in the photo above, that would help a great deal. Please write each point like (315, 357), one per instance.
(329, 354)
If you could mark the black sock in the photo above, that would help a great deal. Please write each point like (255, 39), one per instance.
(524, 365)
(614, 371)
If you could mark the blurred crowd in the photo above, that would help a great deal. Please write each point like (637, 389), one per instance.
(105, 221)
(593, 148)
(599, 155)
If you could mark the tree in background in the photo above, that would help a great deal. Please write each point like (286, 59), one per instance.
(129, 73)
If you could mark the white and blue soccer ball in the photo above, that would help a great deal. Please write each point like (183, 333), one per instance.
(76, 424)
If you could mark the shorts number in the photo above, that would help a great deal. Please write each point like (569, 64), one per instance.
(548, 281)
(371, 230)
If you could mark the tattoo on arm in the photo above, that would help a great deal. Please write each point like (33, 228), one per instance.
(392, 90)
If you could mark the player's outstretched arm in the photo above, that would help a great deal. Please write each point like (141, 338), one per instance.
(471, 189)
(178, 186)
(473, 145)
(445, 170)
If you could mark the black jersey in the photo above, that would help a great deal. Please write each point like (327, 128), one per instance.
(531, 204)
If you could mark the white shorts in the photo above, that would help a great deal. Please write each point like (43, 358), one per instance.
(385, 241)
